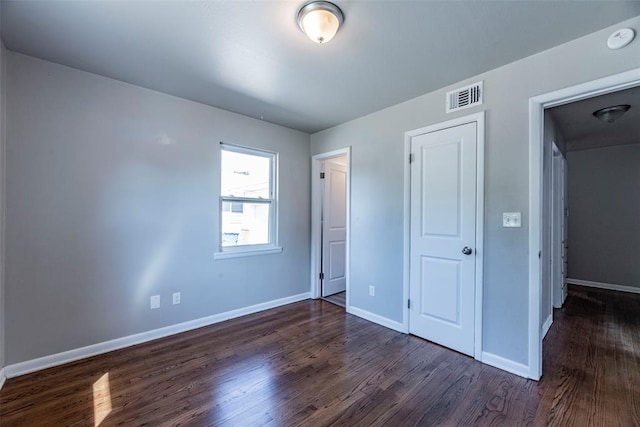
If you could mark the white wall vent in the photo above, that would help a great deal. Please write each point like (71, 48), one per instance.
(464, 97)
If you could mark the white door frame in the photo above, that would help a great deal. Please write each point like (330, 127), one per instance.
(316, 224)
(537, 105)
(479, 119)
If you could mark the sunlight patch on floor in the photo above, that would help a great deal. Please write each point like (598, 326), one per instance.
(101, 399)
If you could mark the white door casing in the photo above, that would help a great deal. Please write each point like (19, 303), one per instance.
(443, 223)
(334, 228)
(537, 105)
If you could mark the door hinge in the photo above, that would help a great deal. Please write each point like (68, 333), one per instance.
(408, 303)
(411, 157)
(321, 276)
(321, 175)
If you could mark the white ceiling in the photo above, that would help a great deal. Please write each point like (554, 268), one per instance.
(583, 131)
(250, 56)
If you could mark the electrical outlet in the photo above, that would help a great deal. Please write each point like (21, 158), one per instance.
(155, 301)
(176, 297)
(372, 291)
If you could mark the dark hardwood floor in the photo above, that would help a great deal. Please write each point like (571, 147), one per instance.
(312, 364)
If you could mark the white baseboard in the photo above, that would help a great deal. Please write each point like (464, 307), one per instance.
(488, 358)
(505, 364)
(2, 378)
(547, 325)
(40, 363)
(383, 321)
(601, 285)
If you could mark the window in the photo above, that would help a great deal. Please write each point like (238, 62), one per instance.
(248, 202)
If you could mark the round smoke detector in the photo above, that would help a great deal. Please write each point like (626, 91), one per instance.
(620, 38)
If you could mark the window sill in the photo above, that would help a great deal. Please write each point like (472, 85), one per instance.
(248, 252)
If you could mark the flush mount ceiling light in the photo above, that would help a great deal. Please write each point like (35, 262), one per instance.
(320, 20)
(611, 114)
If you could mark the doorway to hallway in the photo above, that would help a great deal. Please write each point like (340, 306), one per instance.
(330, 226)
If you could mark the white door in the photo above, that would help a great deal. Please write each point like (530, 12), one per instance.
(443, 237)
(334, 228)
(558, 229)
(565, 228)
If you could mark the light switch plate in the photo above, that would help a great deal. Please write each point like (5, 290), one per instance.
(511, 219)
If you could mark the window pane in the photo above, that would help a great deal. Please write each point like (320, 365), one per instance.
(237, 207)
(245, 175)
(246, 224)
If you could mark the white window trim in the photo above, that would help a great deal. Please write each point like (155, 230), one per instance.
(252, 250)
(246, 252)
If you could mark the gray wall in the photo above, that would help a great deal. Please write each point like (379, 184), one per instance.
(377, 182)
(604, 204)
(112, 196)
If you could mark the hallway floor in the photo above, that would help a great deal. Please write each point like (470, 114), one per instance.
(339, 299)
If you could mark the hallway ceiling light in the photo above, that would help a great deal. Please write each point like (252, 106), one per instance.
(611, 114)
(320, 20)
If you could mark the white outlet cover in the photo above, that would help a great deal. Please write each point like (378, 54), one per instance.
(511, 219)
(176, 297)
(155, 302)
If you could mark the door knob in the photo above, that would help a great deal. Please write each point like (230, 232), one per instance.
(467, 250)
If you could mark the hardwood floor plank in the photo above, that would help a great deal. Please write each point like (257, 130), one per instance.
(311, 364)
